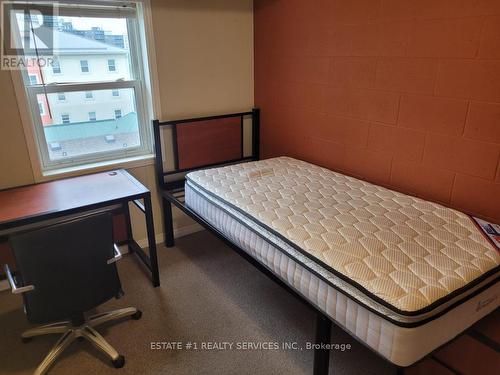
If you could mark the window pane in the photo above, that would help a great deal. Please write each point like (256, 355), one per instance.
(77, 131)
(86, 49)
(84, 66)
(111, 65)
(56, 67)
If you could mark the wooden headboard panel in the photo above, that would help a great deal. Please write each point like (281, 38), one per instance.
(204, 142)
(209, 142)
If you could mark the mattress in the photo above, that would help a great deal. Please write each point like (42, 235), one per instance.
(401, 274)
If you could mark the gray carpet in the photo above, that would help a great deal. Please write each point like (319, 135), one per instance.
(208, 294)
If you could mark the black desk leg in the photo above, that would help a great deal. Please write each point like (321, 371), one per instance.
(151, 240)
(323, 335)
(128, 224)
(168, 224)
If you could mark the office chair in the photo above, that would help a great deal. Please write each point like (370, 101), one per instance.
(64, 271)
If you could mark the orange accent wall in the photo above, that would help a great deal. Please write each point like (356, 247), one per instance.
(402, 93)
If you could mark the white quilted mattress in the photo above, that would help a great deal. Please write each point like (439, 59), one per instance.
(379, 262)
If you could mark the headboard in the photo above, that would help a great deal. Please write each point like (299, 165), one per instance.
(189, 144)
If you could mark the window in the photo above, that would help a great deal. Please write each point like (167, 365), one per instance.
(84, 66)
(111, 65)
(66, 95)
(33, 79)
(65, 118)
(56, 67)
(41, 108)
(35, 20)
(54, 146)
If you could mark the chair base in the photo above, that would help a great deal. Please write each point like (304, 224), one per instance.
(84, 331)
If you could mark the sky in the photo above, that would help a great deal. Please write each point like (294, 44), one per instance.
(112, 25)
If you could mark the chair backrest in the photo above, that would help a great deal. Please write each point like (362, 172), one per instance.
(67, 264)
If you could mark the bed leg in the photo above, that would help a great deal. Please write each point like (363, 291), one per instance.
(323, 336)
(168, 225)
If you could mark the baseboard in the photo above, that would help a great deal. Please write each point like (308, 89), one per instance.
(178, 232)
(4, 285)
(187, 229)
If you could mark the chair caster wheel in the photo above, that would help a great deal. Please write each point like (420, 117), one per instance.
(119, 362)
(26, 339)
(137, 315)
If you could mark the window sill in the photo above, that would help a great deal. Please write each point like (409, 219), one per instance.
(133, 162)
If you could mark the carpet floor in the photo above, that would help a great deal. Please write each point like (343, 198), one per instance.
(208, 294)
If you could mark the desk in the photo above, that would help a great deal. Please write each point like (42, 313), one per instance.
(32, 204)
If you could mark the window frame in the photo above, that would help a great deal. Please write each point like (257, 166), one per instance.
(41, 107)
(63, 116)
(114, 66)
(86, 66)
(149, 96)
(58, 66)
(92, 118)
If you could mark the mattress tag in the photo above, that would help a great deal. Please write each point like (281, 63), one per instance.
(490, 231)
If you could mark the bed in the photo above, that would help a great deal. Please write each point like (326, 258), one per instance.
(402, 275)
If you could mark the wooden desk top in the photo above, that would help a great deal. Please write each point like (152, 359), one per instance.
(35, 202)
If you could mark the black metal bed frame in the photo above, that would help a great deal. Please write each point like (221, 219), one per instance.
(172, 192)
